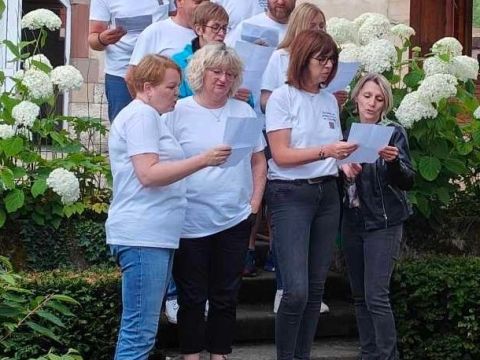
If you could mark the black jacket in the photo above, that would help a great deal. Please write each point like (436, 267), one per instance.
(382, 186)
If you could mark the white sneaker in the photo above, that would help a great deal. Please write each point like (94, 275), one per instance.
(276, 302)
(324, 308)
(171, 309)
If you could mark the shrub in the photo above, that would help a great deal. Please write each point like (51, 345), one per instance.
(437, 308)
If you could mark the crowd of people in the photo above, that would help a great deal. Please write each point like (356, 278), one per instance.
(184, 214)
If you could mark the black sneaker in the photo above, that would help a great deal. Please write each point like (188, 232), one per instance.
(250, 270)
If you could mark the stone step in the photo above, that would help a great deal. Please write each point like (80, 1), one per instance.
(256, 322)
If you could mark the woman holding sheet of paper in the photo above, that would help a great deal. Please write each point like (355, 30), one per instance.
(304, 133)
(375, 207)
(209, 262)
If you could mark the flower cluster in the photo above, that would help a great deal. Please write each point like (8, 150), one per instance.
(38, 84)
(434, 65)
(66, 77)
(437, 87)
(65, 184)
(378, 56)
(341, 30)
(27, 65)
(465, 67)
(6, 131)
(476, 113)
(25, 113)
(414, 108)
(37, 19)
(375, 26)
(447, 46)
(403, 31)
(349, 53)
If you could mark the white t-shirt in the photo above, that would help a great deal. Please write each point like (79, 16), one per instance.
(313, 120)
(138, 215)
(165, 37)
(275, 74)
(218, 198)
(134, 16)
(239, 10)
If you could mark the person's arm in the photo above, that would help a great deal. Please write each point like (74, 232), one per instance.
(264, 96)
(100, 35)
(150, 171)
(259, 174)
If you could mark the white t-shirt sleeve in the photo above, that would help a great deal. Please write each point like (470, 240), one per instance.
(271, 77)
(277, 113)
(99, 11)
(234, 35)
(142, 134)
(145, 45)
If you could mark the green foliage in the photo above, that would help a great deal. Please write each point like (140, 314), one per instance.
(30, 318)
(476, 13)
(437, 308)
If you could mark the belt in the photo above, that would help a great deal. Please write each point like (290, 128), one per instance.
(312, 181)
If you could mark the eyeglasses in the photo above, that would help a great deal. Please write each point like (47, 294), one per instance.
(323, 60)
(217, 28)
(219, 72)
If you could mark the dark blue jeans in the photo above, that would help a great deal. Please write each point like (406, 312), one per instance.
(370, 258)
(117, 94)
(304, 224)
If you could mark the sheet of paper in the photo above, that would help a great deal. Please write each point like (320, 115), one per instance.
(345, 74)
(370, 138)
(257, 34)
(241, 132)
(134, 23)
(236, 156)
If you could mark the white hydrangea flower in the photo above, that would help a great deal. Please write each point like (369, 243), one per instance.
(361, 19)
(349, 53)
(465, 68)
(36, 19)
(402, 31)
(414, 108)
(25, 113)
(38, 84)
(6, 131)
(65, 184)
(19, 74)
(447, 46)
(39, 58)
(376, 26)
(437, 87)
(378, 56)
(476, 113)
(434, 65)
(66, 77)
(341, 30)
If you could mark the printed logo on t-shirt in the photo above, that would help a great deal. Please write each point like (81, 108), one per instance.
(134, 23)
(329, 116)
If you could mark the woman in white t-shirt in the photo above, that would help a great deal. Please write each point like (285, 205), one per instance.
(147, 211)
(304, 133)
(221, 202)
(114, 28)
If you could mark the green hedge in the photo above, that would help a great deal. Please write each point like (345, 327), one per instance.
(436, 303)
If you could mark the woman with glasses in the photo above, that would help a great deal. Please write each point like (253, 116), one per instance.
(210, 23)
(221, 204)
(303, 129)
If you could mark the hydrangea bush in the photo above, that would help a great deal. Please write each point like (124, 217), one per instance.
(434, 99)
(46, 173)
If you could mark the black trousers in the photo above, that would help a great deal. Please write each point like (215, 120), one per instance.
(210, 268)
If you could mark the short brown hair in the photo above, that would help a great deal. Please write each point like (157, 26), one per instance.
(151, 69)
(207, 11)
(309, 44)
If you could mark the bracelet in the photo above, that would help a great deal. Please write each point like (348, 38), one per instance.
(321, 153)
(100, 41)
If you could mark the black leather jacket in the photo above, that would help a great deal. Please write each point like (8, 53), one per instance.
(382, 186)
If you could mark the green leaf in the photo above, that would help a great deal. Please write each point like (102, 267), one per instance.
(429, 167)
(7, 177)
(39, 187)
(413, 78)
(64, 298)
(14, 200)
(443, 195)
(39, 329)
(50, 317)
(39, 219)
(464, 148)
(62, 309)
(423, 206)
(13, 48)
(3, 217)
(2, 8)
(58, 138)
(440, 149)
(456, 166)
(12, 146)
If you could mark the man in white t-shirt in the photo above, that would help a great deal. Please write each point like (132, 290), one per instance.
(166, 37)
(239, 10)
(114, 28)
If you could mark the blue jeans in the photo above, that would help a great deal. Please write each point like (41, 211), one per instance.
(117, 94)
(370, 258)
(145, 274)
(304, 222)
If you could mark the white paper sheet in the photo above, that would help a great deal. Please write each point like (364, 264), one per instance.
(257, 34)
(370, 138)
(236, 156)
(345, 74)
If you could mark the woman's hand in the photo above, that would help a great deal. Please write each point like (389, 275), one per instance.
(339, 150)
(217, 155)
(389, 153)
(351, 170)
(341, 96)
(242, 94)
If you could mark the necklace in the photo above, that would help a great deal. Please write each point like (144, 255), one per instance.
(216, 113)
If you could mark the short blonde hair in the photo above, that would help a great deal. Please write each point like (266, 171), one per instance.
(300, 20)
(384, 86)
(214, 56)
(151, 69)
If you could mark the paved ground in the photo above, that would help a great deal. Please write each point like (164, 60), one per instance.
(322, 350)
